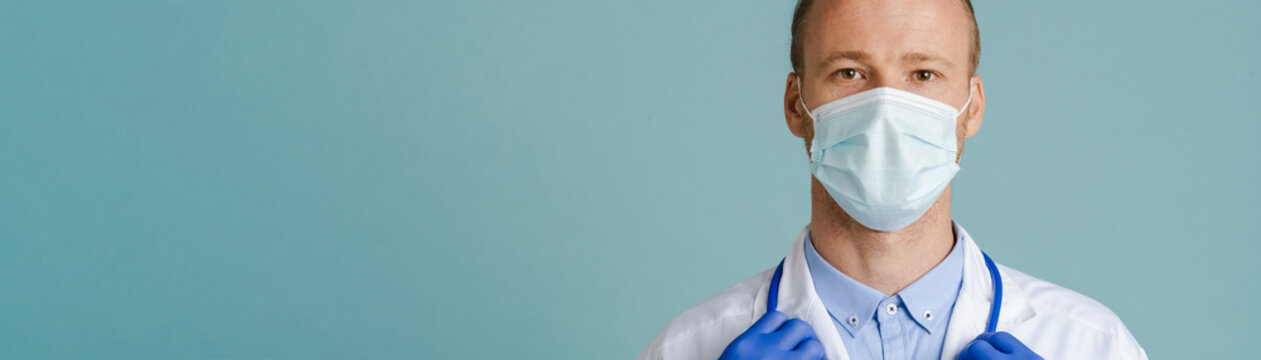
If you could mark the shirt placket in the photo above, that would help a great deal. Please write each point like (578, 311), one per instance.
(891, 330)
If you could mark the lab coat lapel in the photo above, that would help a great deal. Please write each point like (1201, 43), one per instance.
(972, 307)
(798, 299)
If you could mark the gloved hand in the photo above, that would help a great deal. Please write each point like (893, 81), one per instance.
(997, 345)
(774, 336)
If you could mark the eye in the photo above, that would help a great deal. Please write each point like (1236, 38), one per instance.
(924, 75)
(848, 74)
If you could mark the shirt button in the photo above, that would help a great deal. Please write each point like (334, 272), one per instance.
(891, 309)
(853, 320)
(928, 315)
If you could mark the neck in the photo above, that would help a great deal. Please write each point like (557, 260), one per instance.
(885, 261)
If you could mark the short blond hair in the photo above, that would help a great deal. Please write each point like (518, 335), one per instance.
(803, 6)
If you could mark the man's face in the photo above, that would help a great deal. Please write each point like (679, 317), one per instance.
(921, 46)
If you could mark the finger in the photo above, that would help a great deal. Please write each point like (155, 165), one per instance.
(793, 332)
(768, 323)
(979, 349)
(810, 348)
(1006, 342)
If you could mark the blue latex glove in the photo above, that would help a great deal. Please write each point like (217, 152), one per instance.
(997, 345)
(775, 336)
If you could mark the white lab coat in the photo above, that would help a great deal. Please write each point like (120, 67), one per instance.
(1055, 322)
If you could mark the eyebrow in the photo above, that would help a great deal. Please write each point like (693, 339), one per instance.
(854, 55)
(916, 58)
(862, 57)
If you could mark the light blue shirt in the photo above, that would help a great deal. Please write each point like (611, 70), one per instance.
(908, 325)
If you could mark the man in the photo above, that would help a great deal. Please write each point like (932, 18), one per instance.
(884, 93)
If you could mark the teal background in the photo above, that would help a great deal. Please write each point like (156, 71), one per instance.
(526, 179)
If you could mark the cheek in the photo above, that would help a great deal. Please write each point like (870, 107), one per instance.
(959, 138)
(807, 131)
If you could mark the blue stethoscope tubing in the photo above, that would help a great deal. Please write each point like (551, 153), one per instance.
(772, 297)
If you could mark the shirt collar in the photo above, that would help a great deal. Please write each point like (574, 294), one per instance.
(853, 304)
(936, 291)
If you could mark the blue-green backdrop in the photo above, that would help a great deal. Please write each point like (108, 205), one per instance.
(557, 179)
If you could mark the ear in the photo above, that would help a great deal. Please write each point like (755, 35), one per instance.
(794, 114)
(976, 109)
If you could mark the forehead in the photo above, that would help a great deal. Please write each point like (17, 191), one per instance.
(887, 30)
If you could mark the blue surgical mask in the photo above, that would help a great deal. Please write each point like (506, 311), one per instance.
(885, 155)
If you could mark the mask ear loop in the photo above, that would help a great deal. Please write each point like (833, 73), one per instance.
(961, 111)
(803, 101)
(811, 165)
